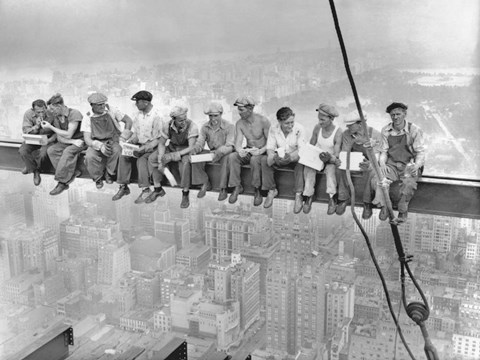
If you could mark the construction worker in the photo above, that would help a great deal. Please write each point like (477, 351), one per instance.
(284, 141)
(402, 156)
(102, 133)
(147, 127)
(219, 134)
(64, 153)
(35, 156)
(254, 128)
(328, 137)
(354, 140)
(182, 133)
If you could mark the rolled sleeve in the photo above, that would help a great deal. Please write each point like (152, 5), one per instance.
(157, 127)
(86, 124)
(271, 139)
(200, 144)
(164, 130)
(418, 145)
(230, 140)
(193, 131)
(28, 123)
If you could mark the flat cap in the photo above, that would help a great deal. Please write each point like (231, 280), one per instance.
(178, 111)
(244, 101)
(396, 105)
(353, 117)
(97, 98)
(213, 108)
(55, 99)
(327, 110)
(143, 95)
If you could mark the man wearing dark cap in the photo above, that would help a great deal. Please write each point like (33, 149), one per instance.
(34, 156)
(102, 133)
(219, 134)
(254, 127)
(182, 133)
(402, 156)
(328, 137)
(147, 126)
(64, 153)
(354, 140)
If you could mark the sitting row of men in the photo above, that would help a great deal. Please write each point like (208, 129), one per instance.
(400, 149)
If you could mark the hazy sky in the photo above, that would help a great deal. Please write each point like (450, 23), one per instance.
(52, 32)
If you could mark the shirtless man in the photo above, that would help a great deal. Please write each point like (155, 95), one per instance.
(254, 127)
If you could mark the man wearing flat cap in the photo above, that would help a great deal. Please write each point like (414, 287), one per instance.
(65, 152)
(402, 156)
(354, 140)
(219, 134)
(147, 126)
(182, 133)
(102, 133)
(328, 137)
(254, 127)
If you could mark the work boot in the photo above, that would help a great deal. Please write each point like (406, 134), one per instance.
(234, 196)
(143, 195)
(341, 207)
(36, 178)
(59, 188)
(383, 213)
(122, 191)
(272, 194)
(24, 171)
(222, 195)
(108, 178)
(99, 184)
(257, 198)
(332, 206)
(307, 206)
(158, 192)
(185, 200)
(367, 211)
(297, 207)
(203, 191)
(402, 216)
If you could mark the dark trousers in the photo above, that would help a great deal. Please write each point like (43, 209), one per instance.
(97, 162)
(268, 175)
(180, 169)
(64, 159)
(200, 177)
(144, 170)
(344, 190)
(236, 163)
(34, 156)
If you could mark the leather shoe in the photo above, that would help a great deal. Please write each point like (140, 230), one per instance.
(367, 211)
(36, 178)
(203, 191)
(222, 195)
(341, 206)
(108, 178)
(143, 195)
(257, 198)
(332, 206)
(383, 213)
(269, 200)
(154, 195)
(307, 206)
(402, 216)
(59, 189)
(185, 200)
(99, 184)
(124, 190)
(234, 196)
(297, 207)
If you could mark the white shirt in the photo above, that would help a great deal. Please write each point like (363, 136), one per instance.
(148, 126)
(292, 142)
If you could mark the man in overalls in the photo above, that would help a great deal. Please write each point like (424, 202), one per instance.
(182, 133)
(102, 133)
(402, 156)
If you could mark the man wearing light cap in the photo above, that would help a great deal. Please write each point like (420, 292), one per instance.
(354, 140)
(65, 152)
(219, 134)
(147, 127)
(402, 156)
(102, 134)
(182, 133)
(254, 127)
(327, 137)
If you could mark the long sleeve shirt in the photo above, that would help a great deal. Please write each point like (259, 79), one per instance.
(30, 123)
(291, 143)
(221, 138)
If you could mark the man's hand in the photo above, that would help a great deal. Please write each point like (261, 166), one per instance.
(138, 153)
(166, 158)
(271, 159)
(243, 152)
(282, 161)
(106, 149)
(364, 165)
(325, 157)
(217, 155)
(370, 143)
(256, 152)
(46, 125)
(78, 143)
